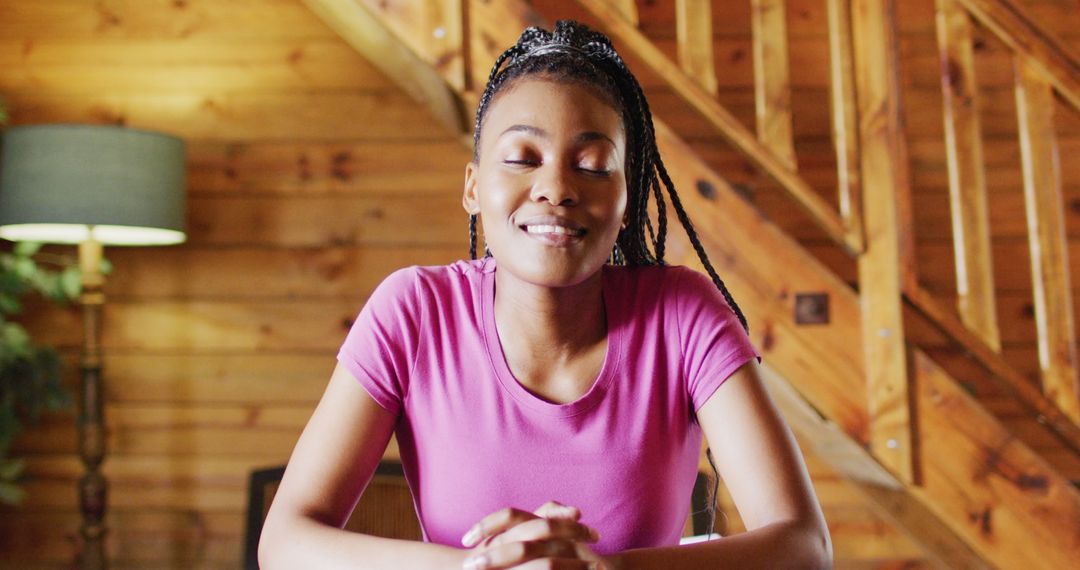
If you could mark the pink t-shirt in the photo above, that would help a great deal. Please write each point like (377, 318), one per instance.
(473, 440)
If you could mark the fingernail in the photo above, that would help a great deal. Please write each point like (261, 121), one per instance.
(471, 537)
(475, 562)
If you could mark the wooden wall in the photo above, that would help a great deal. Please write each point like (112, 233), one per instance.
(310, 178)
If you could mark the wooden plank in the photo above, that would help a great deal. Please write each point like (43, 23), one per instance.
(214, 273)
(303, 169)
(695, 42)
(175, 538)
(1048, 57)
(327, 221)
(772, 90)
(886, 264)
(877, 484)
(726, 124)
(316, 116)
(845, 126)
(207, 326)
(1046, 233)
(363, 31)
(967, 182)
(176, 66)
(241, 378)
(1009, 505)
(188, 20)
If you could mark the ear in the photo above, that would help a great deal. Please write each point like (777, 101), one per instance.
(469, 200)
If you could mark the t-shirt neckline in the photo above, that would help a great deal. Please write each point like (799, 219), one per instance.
(510, 384)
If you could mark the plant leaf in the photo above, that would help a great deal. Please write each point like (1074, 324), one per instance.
(11, 494)
(10, 469)
(71, 282)
(27, 248)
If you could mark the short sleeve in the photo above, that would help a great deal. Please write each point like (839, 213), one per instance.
(382, 343)
(713, 341)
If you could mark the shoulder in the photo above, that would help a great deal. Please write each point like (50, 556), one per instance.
(416, 279)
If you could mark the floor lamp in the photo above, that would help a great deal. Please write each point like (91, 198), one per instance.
(91, 186)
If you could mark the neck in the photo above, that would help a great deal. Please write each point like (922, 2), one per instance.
(559, 322)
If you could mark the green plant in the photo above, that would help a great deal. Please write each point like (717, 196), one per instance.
(29, 374)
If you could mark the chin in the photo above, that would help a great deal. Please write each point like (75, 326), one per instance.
(551, 273)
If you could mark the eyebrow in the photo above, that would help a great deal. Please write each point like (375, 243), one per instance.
(586, 136)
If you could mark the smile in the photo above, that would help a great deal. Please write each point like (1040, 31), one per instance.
(543, 229)
(552, 235)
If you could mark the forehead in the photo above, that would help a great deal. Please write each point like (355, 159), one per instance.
(551, 104)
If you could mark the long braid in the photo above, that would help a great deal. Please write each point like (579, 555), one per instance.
(472, 236)
(574, 53)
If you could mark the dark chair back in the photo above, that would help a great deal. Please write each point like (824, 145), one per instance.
(385, 509)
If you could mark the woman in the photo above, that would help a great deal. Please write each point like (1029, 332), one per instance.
(549, 399)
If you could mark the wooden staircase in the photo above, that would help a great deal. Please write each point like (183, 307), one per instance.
(850, 363)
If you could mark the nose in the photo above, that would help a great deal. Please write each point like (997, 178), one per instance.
(555, 187)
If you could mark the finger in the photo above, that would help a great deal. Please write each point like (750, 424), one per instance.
(494, 524)
(546, 529)
(557, 510)
(512, 554)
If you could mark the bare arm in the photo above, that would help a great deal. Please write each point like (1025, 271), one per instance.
(761, 464)
(331, 465)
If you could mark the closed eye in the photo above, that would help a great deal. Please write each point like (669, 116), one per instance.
(522, 162)
(594, 172)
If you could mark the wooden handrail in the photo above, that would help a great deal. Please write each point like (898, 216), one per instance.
(726, 124)
(1048, 55)
(1003, 372)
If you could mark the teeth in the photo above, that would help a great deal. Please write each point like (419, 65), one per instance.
(551, 230)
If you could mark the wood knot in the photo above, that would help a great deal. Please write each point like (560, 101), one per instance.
(706, 189)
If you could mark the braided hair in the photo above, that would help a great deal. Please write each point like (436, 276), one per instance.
(573, 53)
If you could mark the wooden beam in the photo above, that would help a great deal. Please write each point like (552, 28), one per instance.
(356, 24)
(726, 124)
(445, 31)
(845, 125)
(772, 78)
(693, 30)
(994, 364)
(886, 264)
(885, 493)
(1007, 503)
(1046, 237)
(1050, 57)
(628, 10)
(967, 176)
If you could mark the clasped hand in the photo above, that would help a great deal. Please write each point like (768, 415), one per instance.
(550, 538)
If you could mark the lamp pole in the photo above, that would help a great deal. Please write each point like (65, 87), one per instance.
(92, 185)
(93, 487)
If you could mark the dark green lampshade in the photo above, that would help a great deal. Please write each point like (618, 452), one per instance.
(60, 183)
